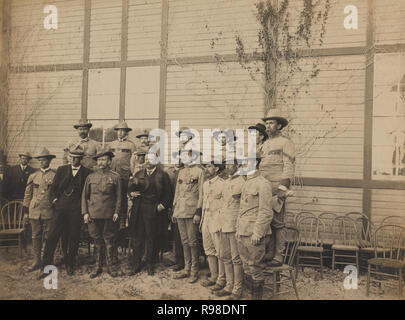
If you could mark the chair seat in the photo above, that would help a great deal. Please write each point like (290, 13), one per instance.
(328, 241)
(387, 262)
(345, 247)
(310, 249)
(11, 231)
(284, 267)
(372, 249)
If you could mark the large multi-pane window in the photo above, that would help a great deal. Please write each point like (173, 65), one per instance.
(389, 117)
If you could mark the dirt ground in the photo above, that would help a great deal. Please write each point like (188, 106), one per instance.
(16, 284)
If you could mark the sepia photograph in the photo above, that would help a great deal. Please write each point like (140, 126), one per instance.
(217, 151)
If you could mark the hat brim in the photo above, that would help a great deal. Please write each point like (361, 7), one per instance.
(25, 155)
(144, 135)
(188, 133)
(281, 120)
(87, 125)
(76, 155)
(108, 153)
(263, 132)
(50, 156)
(126, 129)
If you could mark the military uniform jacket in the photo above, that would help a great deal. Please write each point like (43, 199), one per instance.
(37, 195)
(90, 150)
(278, 161)
(189, 192)
(101, 196)
(232, 190)
(122, 150)
(15, 181)
(213, 202)
(255, 213)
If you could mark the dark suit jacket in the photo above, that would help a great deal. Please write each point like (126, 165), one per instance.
(163, 188)
(62, 180)
(15, 181)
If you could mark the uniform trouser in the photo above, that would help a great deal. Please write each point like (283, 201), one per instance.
(178, 247)
(123, 215)
(211, 244)
(276, 244)
(229, 255)
(143, 233)
(252, 257)
(68, 222)
(103, 232)
(40, 232)
(188, 234)
(162, 224)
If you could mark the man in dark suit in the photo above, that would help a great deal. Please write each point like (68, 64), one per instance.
(152, 196)
(15, 179)
(65, 194)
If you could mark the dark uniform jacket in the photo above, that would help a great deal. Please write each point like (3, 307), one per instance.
(62, 187)
(155, 189)
(15, 182)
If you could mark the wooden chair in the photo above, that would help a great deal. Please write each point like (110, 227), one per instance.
(345, 249)
(310, 246)
(393, 220)
(355, 215)
(302, 215)
(366, 231)
(284, 274)
(327, 236)
(390, 244)
(12, 226)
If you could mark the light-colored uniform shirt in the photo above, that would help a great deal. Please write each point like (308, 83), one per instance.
(37, 194)
(255, 213)
(278, 161)
(90, 150)
(122, 149)
(213, 202)
(232, 190)
(189, 192)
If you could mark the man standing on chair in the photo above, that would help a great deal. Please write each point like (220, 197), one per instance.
(16, 177)
(88, 145)
(277, 166)
(101, 209)
(37, 204)
(66, 193)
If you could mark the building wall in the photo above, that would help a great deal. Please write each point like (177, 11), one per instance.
(201, 84)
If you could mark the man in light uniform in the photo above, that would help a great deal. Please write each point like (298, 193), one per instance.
(88, 145)
(253, 225)
(277, 166)
(187, 210)
(209, 225)
(38, 206)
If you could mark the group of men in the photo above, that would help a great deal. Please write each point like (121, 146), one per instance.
(237, 205)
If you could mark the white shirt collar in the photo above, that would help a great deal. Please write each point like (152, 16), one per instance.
(85, 139)
(123, 139)
(45, 170)
(76, 168)
(23, 167)
(149, 172)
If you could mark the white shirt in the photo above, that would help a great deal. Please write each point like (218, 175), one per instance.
(23, 167)
(75, 170)
(45, 170)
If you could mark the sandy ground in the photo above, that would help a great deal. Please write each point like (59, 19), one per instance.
(16, 283)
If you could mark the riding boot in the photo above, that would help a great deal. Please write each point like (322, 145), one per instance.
(195, 264)
(213, 266)
(99, 263)
(185, 273)
(109, 256)
(36, 247)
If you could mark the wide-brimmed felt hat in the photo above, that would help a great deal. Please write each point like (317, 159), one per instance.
(25, 154)
(76, 152)
(122, 125)
(276, 114)
(261, 128)
(106, 151)
(186, 131)
(45, 154)
(83, 123)
(229, 133)
(144, 133)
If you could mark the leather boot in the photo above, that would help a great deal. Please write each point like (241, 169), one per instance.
(185, 273)
(227, 291)
(237, 282)
(258, 289)
(213, 266)
(247, 285)
(99, 264)
(195, 264)
(36, 248)
(109, 256)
